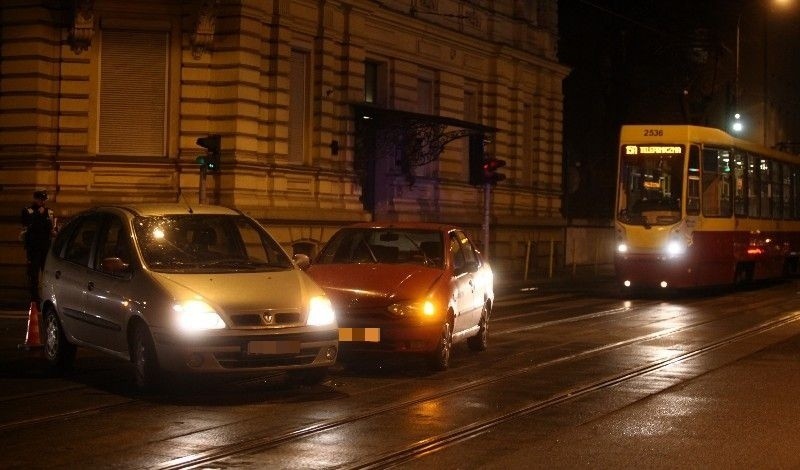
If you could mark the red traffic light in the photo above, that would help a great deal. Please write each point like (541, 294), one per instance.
(490, 167)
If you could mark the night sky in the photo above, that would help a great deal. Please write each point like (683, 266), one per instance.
(668, 62)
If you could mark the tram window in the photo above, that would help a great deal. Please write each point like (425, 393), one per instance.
(794, 177)
(693, 182)
(766, 187)
(716, 182)
(788, 199)
(754, 186)
(739, 184)
(776, 198)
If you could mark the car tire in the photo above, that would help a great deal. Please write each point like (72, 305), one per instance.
(307, 377)
(147, 373)
(58, 351)
(440, 358)
(480, 341)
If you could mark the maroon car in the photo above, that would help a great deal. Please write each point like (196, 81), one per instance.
(406, 288)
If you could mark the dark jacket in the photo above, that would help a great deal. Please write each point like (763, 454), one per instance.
(38, 227)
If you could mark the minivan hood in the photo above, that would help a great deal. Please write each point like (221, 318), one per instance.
(239, 292)
(374, 285)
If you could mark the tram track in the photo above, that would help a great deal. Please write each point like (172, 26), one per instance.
(265, 442)
(435, 443)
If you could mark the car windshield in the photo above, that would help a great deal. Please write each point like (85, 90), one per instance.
(193, 243)
(367, 245)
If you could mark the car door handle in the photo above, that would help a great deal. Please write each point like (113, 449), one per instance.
(58, 274)
(90, 286)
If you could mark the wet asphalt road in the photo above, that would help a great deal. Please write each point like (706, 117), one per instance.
(575, 377)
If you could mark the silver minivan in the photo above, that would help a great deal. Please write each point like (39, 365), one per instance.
(201, 289)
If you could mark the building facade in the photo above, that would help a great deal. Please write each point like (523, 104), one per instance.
(329, 112)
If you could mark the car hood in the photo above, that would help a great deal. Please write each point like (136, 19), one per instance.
(239, 292)
(372, 285)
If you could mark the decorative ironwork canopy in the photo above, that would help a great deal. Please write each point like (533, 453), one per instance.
(414, 139)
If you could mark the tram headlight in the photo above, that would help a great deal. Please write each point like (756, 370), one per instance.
(676, 248)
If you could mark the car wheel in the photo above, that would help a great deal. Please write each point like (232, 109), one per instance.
(145, 362)
(307, 377)
(58, 351)
(480, 341)
(440, 359)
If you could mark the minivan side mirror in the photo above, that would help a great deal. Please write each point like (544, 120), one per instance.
(301, 261)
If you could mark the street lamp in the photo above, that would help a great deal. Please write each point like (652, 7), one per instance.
(738, 125)
(768, 6)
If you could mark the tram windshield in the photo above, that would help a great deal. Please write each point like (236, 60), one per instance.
(651, 178)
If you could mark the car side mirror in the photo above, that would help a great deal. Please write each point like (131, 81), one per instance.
(114, 265)
(301, 261)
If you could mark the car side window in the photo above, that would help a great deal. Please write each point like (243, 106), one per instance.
(469, 251)
(457, 255)
(114, 243)
(79, 246)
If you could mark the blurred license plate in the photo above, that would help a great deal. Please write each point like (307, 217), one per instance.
(370, 335)
(273, 347)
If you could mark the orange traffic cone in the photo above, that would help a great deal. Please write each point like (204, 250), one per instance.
(33, 339)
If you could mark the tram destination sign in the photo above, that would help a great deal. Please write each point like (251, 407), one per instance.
(659, 150)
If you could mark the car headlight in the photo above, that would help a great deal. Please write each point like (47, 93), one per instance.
(320, 312)
(622, 248)
(423, 308)
(196, 315)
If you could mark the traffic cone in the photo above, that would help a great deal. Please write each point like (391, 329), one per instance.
(33, 339)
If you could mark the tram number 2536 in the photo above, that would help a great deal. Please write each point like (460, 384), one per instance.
(654, 132)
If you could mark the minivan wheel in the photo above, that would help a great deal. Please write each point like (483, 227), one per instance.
(145, 362)
(60, 354)
(307, 377)
(440, 359)
(480, 341)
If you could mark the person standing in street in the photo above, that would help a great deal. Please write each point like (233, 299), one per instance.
(38, 229)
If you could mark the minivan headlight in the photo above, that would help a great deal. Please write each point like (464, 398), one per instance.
(196, 315)
(320, 312)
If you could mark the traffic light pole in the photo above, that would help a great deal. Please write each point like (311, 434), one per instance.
(487, 209)
(203, 171)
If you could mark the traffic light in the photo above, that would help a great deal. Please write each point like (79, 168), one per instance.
(212, 145)
(490, 167)
(476, 159)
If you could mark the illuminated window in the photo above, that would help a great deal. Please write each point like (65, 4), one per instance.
(298, 106)
(426, 97)
(133, 93)
(739, 169)
(716, 181)
(375, 82)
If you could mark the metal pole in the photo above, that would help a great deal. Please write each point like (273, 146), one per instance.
(527, 259)
(552, 254)
(766, 87)
(487, 207)
(202, 184)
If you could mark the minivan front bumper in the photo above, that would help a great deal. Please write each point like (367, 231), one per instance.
(241, 351)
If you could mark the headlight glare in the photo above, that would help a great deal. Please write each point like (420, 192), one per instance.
(622, 248)
(675, 248)
(196, 315)
(320, 312)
